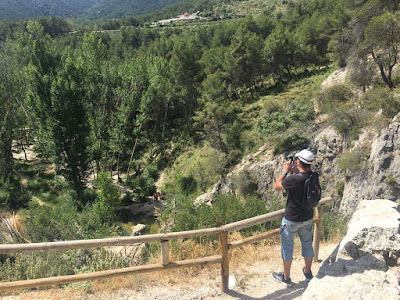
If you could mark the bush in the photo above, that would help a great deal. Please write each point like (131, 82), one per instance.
(354, 160)
(381, 99)
(245, 184)
(340, 188)
(46, 223)
(143, 185)
(333, 225)
(290, 141)
(59, 263)
(196, 170)
(334, 96)
(13, 195)
(225, 209)
(272, 123)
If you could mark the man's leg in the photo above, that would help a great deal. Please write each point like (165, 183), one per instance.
(308, 263)
(305, 234)
(287, 239)
(287, 254)
(286, 268)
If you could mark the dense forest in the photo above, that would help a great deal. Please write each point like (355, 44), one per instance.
(185, 99)
(25, 9)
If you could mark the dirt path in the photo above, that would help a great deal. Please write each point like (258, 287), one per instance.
(252, 282)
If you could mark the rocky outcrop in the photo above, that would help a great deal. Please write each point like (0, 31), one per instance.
(365, 265)
(265, 168)
(378, 178)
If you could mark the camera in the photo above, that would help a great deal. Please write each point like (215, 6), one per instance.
(290, 157)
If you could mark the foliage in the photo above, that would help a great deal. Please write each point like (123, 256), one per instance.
(381, 99)
(49, 264)
(65, 222)
(225, 209)
(346, 116)
(245, 184)
(143, 185)
(354, 160)
(196, 169)
(332, 225)
(291, 140)
(340, 188)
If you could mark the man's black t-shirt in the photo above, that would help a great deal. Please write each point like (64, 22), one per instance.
(294, 211)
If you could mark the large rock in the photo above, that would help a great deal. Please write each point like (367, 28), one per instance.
(365, 265)
(378, 179)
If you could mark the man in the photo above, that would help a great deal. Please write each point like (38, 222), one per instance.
(296, 218)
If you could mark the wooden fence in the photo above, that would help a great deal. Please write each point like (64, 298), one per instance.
(164, 239)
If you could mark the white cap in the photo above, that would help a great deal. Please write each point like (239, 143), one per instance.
(306, 156)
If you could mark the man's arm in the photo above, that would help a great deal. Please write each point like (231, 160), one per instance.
(278, 184)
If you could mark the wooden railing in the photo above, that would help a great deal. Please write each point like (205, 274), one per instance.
(165, 263)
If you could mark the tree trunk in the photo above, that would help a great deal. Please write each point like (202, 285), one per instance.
(131, 158)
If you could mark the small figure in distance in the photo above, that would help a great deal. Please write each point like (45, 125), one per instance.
(297, 219)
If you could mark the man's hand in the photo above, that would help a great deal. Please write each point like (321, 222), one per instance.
(288, 166)
(286, 169)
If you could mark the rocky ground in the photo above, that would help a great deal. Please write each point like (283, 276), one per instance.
(251, 282)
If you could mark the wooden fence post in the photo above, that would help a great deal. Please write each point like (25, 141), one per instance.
(223, 239)
(165, 252)
(317, 231)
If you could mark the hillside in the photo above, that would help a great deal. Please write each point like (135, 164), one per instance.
(124, 8)
(25, 9)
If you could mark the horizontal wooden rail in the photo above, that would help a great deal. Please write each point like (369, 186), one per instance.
(259, 237)
(254, 238)
(80, 244)
(108, 273)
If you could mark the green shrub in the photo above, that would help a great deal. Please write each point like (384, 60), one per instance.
(13, 195)
(333, 97)
(340, 188)
(245, 184)
(225, 209)
(273, 123)
(333, 225)
(390, 180)
(349, 119)
(143, 185)
(352, 161)
(381, 98)
(58, 263)
(198, 168)
(289, 141)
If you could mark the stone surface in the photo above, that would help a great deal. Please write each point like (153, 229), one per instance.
(378, 178)
(266, 167)
(365, 263)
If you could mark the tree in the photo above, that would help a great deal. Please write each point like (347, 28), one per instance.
(382, 41)
(69, 121)
(187, 74)
(279, 51)
(14, 115)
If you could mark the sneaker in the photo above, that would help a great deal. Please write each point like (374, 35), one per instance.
(281, 278)
(308, 275)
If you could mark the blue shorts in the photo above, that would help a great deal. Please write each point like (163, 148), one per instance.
(288, 231)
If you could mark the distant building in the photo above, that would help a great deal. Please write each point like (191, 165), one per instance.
(184, 18)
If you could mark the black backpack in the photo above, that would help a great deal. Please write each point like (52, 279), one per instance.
(312, 191)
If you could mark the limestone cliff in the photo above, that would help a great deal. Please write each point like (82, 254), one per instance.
(375, 177)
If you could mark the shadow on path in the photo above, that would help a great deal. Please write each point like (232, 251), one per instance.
(295, 291)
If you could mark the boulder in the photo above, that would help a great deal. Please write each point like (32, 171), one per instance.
(365, 265)
(378, 179)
